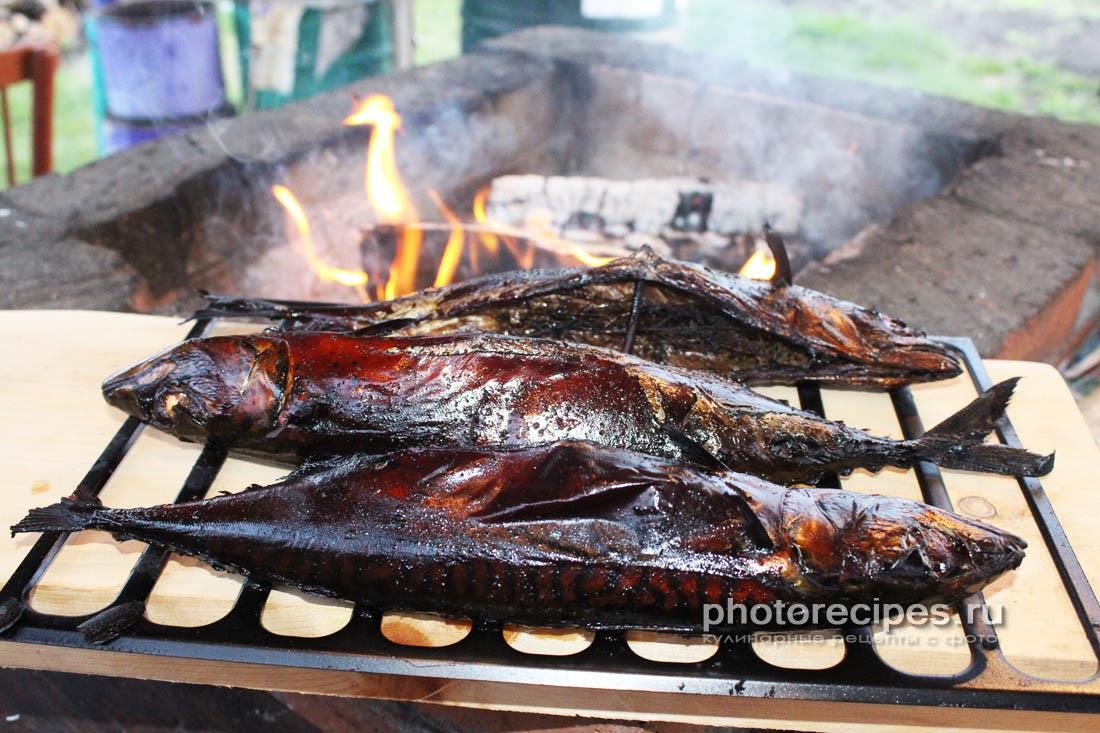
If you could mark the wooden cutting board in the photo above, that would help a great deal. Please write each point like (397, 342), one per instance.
(55, 424)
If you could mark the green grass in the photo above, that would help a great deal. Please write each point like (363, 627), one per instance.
(437, 28)
(900, 51)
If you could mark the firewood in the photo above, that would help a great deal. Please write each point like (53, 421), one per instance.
(663, 207)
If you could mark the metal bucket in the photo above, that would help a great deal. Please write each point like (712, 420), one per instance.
(118, 134)
(159, 59)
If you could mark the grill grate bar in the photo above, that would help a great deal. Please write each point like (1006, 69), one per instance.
(45, 549)
(483, 655)
(129, 605)
(1069, 567)
(809, 399)
(980, 634)
(47, 546)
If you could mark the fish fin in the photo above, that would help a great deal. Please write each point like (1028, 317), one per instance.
(782, 276)
(575, 506)
(957, 441)
(68, 515)
(112, 622)
(221, 306)
(383, 327)
(977, 420)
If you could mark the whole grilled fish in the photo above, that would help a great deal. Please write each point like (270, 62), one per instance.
(688, 316)
(300, 395)
(568, 533)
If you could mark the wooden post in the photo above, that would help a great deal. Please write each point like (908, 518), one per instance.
(42, 64)
(403, 43)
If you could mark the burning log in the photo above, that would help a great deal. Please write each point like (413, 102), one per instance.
(662, 207)
(682, 218)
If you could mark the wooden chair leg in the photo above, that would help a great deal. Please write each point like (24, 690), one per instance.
(43, 66)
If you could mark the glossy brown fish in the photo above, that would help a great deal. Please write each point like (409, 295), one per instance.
(299, 395)
(689, 317)
(565, 534)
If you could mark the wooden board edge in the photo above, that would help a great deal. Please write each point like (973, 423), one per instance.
(649, 706)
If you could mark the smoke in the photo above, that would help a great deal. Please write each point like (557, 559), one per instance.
(853, 153)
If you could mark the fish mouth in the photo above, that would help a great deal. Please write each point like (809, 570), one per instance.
(134, 389)
(902, 365)
(1000, 551)
(982, 553)
(937, 361)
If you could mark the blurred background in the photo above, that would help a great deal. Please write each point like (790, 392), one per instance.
(1031, 56)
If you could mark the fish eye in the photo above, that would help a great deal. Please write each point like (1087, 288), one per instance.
(170, 402)
(915, 559)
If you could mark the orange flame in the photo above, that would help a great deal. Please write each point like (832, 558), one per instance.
(761, 266)
(453, 252)
(325, 271)
(394, 207)
(386, 191)
(487, 239)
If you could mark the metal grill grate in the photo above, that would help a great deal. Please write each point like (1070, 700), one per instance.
(989, 681)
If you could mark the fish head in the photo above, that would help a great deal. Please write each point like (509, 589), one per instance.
(206, 387)
(897, 355)
(894, 549)
(859, 346)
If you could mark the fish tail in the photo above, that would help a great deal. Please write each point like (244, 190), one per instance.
(994, 458)
(977, 420)
(957, 441)
(80, 511)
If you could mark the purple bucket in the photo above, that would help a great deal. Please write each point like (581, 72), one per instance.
(160, 59)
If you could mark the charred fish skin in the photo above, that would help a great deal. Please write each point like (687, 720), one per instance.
(301, 395)
(564, 534)
(691, 317)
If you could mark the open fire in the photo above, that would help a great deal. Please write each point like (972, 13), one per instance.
(478, 241)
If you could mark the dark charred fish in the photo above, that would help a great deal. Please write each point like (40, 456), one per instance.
(688, 316)
(564, 534)
(300, 395)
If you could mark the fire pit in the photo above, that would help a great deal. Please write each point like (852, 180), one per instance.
(960, 219)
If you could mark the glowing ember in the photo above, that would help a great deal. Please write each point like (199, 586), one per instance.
(761, 266)
(453, 253)
(386, 191)
(326, 272)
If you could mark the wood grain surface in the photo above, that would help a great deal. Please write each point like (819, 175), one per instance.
(55, 423)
